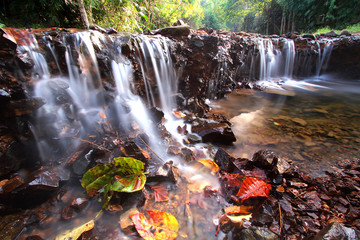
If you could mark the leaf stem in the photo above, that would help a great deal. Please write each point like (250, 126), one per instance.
(91, 143)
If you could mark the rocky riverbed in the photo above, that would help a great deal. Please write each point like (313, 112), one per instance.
(39, 198)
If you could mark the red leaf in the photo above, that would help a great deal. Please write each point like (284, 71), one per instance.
(252, 187)
(160, 193)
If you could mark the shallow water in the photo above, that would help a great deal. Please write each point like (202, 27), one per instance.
(314, 122)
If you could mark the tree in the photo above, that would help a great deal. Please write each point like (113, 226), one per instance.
(83, 14)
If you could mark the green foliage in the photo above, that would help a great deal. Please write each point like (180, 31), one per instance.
(124, 174)
(39, 13)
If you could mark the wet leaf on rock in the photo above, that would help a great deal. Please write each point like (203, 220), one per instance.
(159, 226)
(124, 174)
(252, 187)
(160, 193)
(76, 232)
(209, 164)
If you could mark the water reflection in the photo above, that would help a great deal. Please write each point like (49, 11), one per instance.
(313, 122)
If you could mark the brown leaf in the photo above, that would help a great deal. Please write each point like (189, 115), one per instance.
(160, 193)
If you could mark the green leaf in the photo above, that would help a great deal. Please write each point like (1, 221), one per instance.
(124, 174)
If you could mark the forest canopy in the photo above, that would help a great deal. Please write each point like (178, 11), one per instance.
(263, 16)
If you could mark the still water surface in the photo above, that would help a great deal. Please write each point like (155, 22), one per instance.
(314, 122)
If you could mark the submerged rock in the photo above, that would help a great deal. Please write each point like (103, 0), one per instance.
(214, 132)
(336, 231)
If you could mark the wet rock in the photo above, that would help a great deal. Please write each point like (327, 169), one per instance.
(10, 185)
(131, 149)
(76, 205)
(166, 172)
(256, 233)
(214, 132)
(26, 106)
(13, 158)
(197, 42)
(156, 114)
(82, 163)
(110, 30)
(224, 160)
(299, 121)
(41, 188)
(97, 28)
(126, 224)
(345, 33)
(193, 138)
(331, 34)
(176, 31)
(310, 36)
(34, 237)
(282, 165)
(335, 231)
(11, 226)
(265, 158)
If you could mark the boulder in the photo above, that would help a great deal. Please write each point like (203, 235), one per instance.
(345, 33)
(214, 132)
(310, 36)
(176, 31)
(331, 34)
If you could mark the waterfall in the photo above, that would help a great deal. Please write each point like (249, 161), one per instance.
(324, 57)
(154, 58)
(274, 61)
(289, 52)
(75, 99)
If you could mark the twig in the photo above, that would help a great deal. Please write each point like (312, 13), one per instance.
(151, 149)
(91, 143)
(280, 221)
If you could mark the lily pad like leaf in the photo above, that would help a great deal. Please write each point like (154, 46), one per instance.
(124, 174)
(76, 232)
(252, 187)
(159, 226)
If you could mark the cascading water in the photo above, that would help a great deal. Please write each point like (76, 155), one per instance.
(273, 62)
(324, 57)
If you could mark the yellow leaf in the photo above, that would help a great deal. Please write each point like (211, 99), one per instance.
(76, 232)
(237, 210)
(209, 164)
(239, 218)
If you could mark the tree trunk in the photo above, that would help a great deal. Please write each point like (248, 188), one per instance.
(282, 27)
(84, 19)
(293, 23)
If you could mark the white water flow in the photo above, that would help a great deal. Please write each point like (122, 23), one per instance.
(157, 67)
(275, 62)
(324, 56)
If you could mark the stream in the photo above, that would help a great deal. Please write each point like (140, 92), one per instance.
(106, 96)
(314, 122)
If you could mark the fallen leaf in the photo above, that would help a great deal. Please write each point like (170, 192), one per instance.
(252, 187)
(102, 115)
(159, 226)
(237, 210)
(126, 173)
(160, 193)
(239, 218)
(178, 114)
(76, 232)
(209, 164)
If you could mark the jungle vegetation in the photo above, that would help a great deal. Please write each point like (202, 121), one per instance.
(262, 16)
